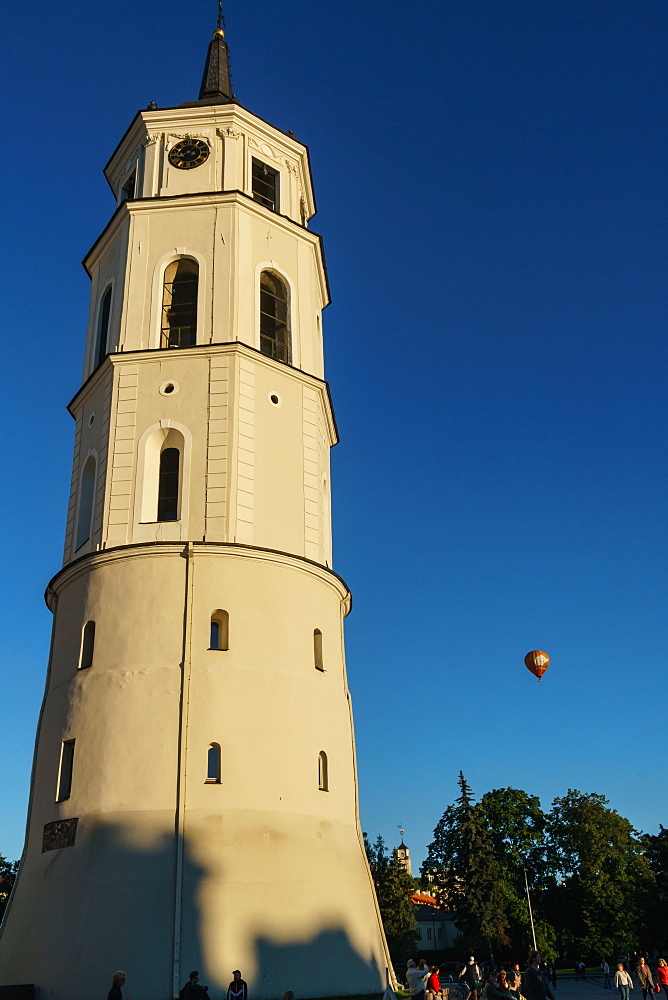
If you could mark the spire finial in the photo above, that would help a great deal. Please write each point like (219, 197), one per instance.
(216, 84)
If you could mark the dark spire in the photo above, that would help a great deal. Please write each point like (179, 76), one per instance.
(216, 82)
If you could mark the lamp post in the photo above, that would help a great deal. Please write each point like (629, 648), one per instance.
(533, 929)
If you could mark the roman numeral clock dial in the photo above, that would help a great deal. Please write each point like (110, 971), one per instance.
(188, 153)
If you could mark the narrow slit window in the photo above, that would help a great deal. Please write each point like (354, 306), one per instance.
(220, 630)
(168, 485)
(179, 304)
(274, 320)
(213, 764)
(323, 774)
(317, 649)
(66, 768)
(103, 328)
(87, 645)
(265, 185)
(129, 188)
(86, 497)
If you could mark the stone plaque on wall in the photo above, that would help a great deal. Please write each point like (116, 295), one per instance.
(62, 833)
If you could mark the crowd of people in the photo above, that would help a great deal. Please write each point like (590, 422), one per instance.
(536, 982)
(488, 983)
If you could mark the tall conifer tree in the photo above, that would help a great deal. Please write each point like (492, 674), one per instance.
(394, 888)
(466, 874)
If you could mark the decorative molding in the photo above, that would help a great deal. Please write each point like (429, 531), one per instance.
(227, 133)
(151, 139)
(292, 167)
(264, 148)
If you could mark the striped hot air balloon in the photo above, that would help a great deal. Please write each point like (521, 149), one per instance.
(537, 662)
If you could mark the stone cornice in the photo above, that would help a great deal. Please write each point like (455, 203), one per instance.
(203, 200)
(80, 567)
(206, 351)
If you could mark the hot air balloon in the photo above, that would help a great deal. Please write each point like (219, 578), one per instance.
(537, 662)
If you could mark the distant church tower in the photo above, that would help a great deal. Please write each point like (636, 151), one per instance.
(194, 798)
(403, 855)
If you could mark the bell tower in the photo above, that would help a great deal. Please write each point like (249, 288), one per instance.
(193, 798)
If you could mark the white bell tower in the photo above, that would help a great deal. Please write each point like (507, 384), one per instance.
(193, 800)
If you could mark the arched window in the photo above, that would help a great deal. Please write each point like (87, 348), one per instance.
(161, 492)
(87, 645)
(213, 764)
(168, 485)
(103, 328)
(317, 649)
(323, 775)
(179, 304)
(86, 497)
(220, 630)
(274, 323)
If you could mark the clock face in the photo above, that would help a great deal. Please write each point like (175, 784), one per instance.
(188, 153)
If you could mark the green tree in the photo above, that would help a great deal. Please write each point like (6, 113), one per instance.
(466, 874)
(8, 870)
(517, 828)
(604, 876)
(655, 922)
(394, 888)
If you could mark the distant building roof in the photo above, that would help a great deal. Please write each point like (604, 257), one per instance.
(427, 908)
(424, 897)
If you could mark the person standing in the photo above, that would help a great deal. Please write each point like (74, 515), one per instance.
(605, 969)
(416, 976)
(433, 982)
(515, 981)
(536, 984)
(662, 975)
(192, 990)
(471, 976)
(645, 977)
(238, 988)
(117, 984)
(623, 981)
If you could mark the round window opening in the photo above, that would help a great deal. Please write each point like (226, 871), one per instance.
(169, 388)
(273, 398)
(91, 420)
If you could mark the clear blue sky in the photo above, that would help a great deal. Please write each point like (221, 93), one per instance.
(490, 177)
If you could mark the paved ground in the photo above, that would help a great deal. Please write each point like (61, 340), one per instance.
(588, 989)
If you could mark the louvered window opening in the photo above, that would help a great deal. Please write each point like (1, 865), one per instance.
(265, 185)
(274, 333)
(179, 305)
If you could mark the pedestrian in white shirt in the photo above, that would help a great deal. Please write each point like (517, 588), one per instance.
(623, 981)
(416, 977)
